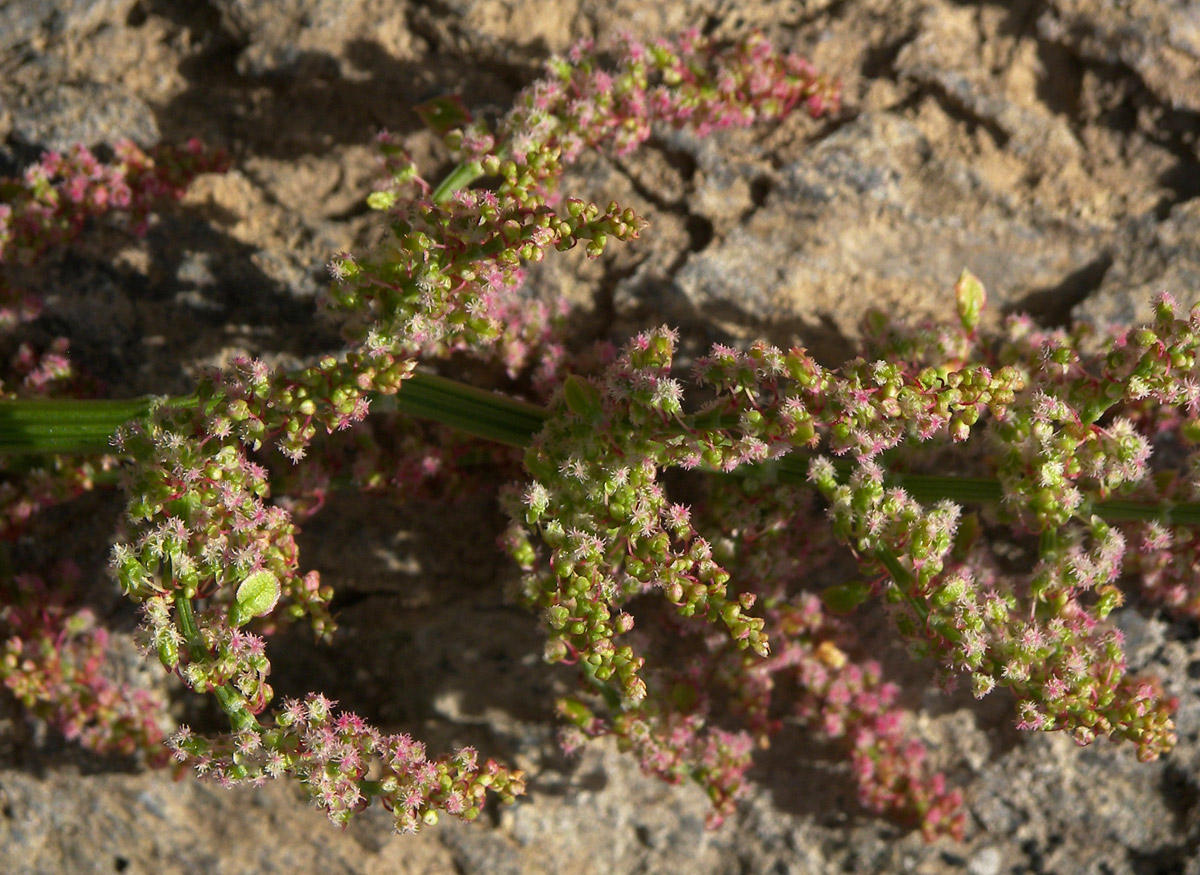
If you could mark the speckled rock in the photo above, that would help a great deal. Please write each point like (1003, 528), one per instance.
(1156, 256)
(879, 214)
(305, 37)
(91, 113)
(1157, 39)
(33, 22)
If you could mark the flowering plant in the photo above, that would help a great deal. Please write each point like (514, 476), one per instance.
(698, 629)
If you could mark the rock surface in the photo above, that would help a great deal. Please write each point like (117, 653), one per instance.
(1052, 146)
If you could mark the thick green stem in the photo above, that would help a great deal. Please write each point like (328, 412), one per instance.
(64, 426)
(231, 701)
(460, 177)
(475, 411)
(903, 579)
(86, 427)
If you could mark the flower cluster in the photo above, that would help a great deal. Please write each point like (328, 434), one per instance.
(58, 661)
(774, 546)
(584, 105)
(610, 531)
(1167, 563)
(672, 743)
(1148, 377)
(766, 544)
(1051, 648)
(331, 754)
(51, 202)
(843, 699)
(609, 534)
(203, 524)
(447, 277)
(48, 206)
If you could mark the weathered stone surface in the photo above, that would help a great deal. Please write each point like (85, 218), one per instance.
(90, 113)
(1153, 257)
(281, 37)
(878, 214)
(946, 56)
(1157, 39)
(32, 22)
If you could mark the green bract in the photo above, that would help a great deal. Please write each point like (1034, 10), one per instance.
(256, 596)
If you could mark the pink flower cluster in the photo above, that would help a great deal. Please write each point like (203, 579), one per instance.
(344, 763)
(1063, 433)
(58, 661)
(51, 202)
(449, 277)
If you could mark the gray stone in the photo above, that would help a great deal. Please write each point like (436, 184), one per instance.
(1144, 636)
(1152, 257)
(950, 153)
(278, 34)
(1157, 39)
(90, 113)
(986, 861)
(945, 57)
(878, 213)
(34, 21)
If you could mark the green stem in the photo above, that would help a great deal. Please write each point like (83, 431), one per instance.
(64, 426)
(460, 177)
(86, 427)
(231, 701)
(475, 411)
(903, 579)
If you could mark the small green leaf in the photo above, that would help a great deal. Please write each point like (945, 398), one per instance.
(574, 711)
(443, 114)
(168, 652)
(256, 596)
(844, 598)
(583, 398)
(970, 297)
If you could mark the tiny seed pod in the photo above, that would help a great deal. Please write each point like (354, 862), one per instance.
(168, 651)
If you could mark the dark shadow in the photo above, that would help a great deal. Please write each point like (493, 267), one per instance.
(430, 641)
(310, 106)
(136, 327)
(1182, 180)
(879, 61)
(79, 533)
(1052, 305)
(1060, 83)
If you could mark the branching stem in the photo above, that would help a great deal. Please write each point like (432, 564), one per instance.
(85, 427)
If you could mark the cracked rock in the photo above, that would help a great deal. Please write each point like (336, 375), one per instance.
(1158, 39)
(35, 21)
(91, 113)
(1155, 257)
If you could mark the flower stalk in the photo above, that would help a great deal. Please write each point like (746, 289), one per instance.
(87, 427)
